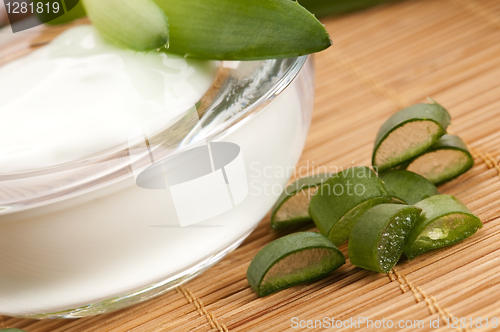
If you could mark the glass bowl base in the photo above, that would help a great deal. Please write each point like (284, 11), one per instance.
(144, 294)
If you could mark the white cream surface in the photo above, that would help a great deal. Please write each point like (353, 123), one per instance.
(79, 97)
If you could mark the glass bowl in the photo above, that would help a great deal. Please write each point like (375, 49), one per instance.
(98, 234)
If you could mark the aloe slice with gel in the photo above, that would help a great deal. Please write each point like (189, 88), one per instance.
(377, 239)
(293, 204)
(444, 221)
(409, 133)
(291, 260)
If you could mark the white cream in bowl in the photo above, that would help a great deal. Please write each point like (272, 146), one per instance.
(79, 98)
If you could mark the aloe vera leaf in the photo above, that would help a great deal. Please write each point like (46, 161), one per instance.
(343, 199)
(322, 8)
(377, 239)
(291, 260)
(292, 206)
(407, 186)
(444, 221)
(409, 133)
(444, 161)
(136, 24)
(242, 29)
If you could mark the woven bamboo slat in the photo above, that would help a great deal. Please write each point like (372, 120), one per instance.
(382, 60)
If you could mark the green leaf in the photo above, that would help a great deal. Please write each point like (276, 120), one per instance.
(136, 24)
(242, 29)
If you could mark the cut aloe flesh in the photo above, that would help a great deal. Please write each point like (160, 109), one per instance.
(444, 221)
(293, 204)
(242, 29)
(291, 260)
(444, 161)
(377, 239)
(11, 330)
(343, 199)
(409, 133)
(407, 187)
(136, 24)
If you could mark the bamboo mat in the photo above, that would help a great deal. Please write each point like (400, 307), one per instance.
(382, 60)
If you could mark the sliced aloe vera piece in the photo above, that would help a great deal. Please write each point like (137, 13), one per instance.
(408, 133)
(343, 199)
(407, 187)
(291, 260)
(377, 239)
(444, 161)
(444, 221)
(136, 24)
(12, 330)
(293, 204)
(242, 29)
